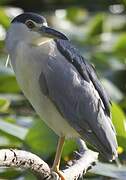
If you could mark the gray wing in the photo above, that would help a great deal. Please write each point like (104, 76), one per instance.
(85, 69)
(78, 101)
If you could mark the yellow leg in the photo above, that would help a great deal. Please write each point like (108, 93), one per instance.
(57, 159)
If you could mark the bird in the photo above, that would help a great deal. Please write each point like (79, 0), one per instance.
(61, 85)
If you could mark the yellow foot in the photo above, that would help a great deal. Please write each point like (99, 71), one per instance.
(60, 173)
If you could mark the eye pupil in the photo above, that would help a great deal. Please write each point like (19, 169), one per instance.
(30, 24)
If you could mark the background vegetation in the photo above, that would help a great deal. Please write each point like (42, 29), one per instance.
(98, 29)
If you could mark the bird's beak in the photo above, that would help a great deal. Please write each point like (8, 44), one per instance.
(52, 33)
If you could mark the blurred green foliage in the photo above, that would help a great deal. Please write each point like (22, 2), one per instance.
(4, 19)
(101, 39)
(95, 26)
(120, 46)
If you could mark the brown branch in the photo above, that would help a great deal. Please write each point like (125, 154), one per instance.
(26, 160)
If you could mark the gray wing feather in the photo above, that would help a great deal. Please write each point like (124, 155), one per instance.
(85, 69)
(43, 85)
(79, 103)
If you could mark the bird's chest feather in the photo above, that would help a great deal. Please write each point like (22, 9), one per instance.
(28, 67)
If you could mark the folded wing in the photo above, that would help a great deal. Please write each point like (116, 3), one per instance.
(75, 90)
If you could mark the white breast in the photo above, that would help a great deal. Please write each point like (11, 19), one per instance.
(28, 69)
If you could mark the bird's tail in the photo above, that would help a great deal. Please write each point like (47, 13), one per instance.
(104, 140)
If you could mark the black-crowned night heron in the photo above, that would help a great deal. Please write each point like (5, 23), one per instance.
(60, 84)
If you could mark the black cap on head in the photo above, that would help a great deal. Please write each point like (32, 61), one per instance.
(50, 32)
(22, 18)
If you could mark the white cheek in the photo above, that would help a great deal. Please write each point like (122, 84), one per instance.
(31, 36)
(18, 32)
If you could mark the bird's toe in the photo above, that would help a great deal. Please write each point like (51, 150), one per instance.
(58, 172)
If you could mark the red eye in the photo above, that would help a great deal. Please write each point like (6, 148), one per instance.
(30, 24)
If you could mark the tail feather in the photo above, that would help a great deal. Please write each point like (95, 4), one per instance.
(108, 153)
(103, 139)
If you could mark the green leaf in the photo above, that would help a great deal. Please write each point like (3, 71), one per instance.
(101, 60)
(120, 46)
(69, 147)
(29, 175)
(7, 141)
(119, 121)
(41, 139)
(9, 173)
(76, 15)
(4, 105)
(95, 26)
(109, 170)
(13, 130)
(4, 19)
(8, 82)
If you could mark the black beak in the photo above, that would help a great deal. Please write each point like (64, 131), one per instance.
(50, 32)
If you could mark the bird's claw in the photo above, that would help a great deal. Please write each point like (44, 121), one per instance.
(58, 175)
(54, 175)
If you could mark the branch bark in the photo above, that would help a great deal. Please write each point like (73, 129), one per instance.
(86, 159)
(26, 160)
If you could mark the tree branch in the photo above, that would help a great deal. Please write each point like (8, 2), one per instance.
(87, 159)
(26, 160)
